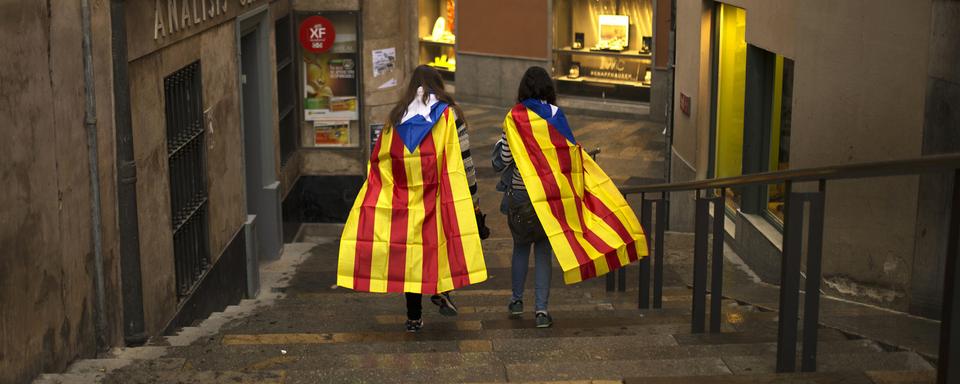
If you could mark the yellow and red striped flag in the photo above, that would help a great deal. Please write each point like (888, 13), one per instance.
(591, 228)
(412, 227)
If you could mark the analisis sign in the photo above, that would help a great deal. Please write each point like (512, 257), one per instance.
(173, 16)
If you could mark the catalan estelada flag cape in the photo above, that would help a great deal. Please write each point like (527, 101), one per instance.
(412, 227)
(591, 228)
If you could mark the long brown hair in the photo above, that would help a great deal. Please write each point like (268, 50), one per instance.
(428, 78)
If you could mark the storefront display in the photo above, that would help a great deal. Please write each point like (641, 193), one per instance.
(603, 48)
(330, 73)
(437, 36)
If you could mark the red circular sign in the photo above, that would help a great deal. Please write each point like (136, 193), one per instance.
(317, 34)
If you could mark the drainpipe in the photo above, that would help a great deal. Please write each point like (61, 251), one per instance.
(90, 123)
(130, 275)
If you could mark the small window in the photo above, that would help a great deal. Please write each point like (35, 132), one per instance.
(186, 156)
(779, 146)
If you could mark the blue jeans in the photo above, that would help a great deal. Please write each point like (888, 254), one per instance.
(542, 255)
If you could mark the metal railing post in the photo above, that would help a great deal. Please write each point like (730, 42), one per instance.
(701, 223)
(811, 308)
(790, 282)
(646, 214)
(658, 251)
(716, 277)
(948, 364)
(611, 283)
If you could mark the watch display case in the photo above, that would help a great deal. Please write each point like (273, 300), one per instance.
(602, 48)
(436, 33)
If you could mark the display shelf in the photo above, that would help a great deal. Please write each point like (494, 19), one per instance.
(441, 68)
(634, 54)
(600, 80)
(434, 42)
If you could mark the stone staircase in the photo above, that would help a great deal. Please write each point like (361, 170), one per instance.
(303, 330)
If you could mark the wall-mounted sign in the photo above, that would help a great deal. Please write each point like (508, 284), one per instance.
(317, 34)
(616, 69)
(331, 133)
(685, 104)
(155, 24)
(384, 61)
(375, 130)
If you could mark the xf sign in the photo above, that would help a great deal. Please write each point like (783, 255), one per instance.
(317, 34)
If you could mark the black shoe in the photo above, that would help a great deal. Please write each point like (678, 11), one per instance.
(516, 309)
(447, 308)
(414, 325)
(544, 320)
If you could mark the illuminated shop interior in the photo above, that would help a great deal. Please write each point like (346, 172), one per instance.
(437, 37)
(603, 48)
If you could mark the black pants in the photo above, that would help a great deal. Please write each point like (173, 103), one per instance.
(414, 305)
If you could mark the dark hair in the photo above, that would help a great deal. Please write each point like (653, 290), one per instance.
(428, 78)
(536, 84)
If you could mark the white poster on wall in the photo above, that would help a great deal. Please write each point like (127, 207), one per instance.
(384, 61)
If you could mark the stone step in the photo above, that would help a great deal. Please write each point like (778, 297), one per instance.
(616, 370)
(196, 377)
(397, 306)
(69, 378)
(468, 331)
(531, 339)
(869, 377)
(895, 361)
(484, 352)
(560, 291)
(350, 303)
(768, 378)
(489, 317)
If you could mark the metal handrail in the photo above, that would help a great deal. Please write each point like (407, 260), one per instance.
(795, 241)
(926, 164)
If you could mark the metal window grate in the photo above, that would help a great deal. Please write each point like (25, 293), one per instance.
(188, 175)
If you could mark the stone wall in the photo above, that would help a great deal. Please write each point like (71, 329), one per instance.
(46, 253)
(216, 49)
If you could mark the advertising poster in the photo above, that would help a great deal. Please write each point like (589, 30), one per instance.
(327, 133)
(330, 86)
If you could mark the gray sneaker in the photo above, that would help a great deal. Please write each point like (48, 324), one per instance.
(443, 300)
(544, 320)
(413, 326)
(516, 308)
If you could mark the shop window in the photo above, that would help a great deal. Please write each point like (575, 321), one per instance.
(286, 87)
(437, 33)
(730, 55)
(188, 175)
(603, 48)
(780, 121)
(329, 77)
(766, 129)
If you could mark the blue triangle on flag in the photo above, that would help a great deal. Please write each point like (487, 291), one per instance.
(413, 131)
(558, 121)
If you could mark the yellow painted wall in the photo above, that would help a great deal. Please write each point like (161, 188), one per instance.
(731, 83)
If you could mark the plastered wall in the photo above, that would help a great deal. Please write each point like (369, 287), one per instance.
(859, 91)
(216, 49)
(46, 256)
